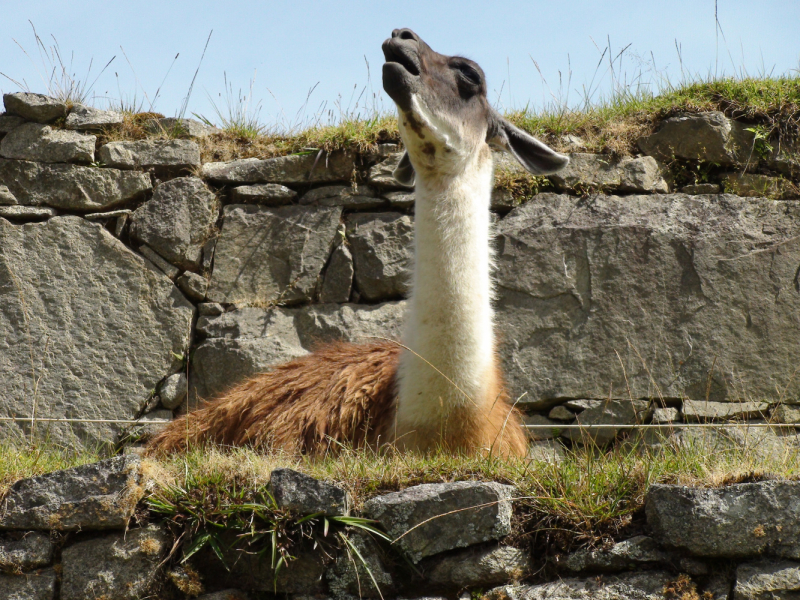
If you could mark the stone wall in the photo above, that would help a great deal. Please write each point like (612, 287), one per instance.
(78, 534)
(135, 280)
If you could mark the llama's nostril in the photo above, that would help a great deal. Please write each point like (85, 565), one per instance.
(405, 34)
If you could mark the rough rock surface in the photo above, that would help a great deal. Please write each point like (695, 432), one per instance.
(31, 551)
(151, 154)
(100, 495)
(350, 578)
(362, 197)
(6, 197)
(42, 143)
(177, 221)
(9, 122)
(609, 412)
(86, 362)
(34, 107)
(71, 187)
(639, 175)
(40, 585)
(381, 244)
(250, 340)
(337, 282)
(193, 285)
(641, 296)
(88, 118)
(701, 188)
(483, 514)
(381, 176)
(478, 567)
(738, 520)
(27, 213)
(269, 254)
(710, 137)
(160, 263)
(122, 566)
(647, 585)
(173, 391)
(755, 185)
(767, 581)
(305, 495)
(702, 411)
(625, 555)
(268, 194)
(297, 168)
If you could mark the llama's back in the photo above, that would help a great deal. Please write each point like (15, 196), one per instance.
(343, 393)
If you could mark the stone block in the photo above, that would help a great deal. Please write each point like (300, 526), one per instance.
(381, 176)
(39, 585)
(637, 175)
(647, 585)
(42, 143)
(636, 552)
(435, 517)
(701, 188)
(735, 521)
(609, 412)
(767, 581)
(268, 255)
(71, 187)
(349, 577)
(172, 155)
(298, 168)
(755, 185)
(541, 428)
(173, 391)
(9, 122)
(88, 118)
(478, 567)
(193, 285)
(268, 194)
(305, 495)
(175, 127)
(23, 552)
(359, 198)
(702, 411)
(27, 213)
(547, 451)
(34, 107)
(6, 197)
(101, 495)
(161, 264)
(337, 283)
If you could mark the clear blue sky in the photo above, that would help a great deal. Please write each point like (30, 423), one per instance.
(293, 46)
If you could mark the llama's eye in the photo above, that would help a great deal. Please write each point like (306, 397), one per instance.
(469, 74)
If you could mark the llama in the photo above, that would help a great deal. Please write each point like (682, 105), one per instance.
(442, 388)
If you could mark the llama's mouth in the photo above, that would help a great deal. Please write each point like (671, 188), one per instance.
(400, 71)
(402, 56)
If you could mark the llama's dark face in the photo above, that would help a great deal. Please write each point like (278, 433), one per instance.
(444, 116)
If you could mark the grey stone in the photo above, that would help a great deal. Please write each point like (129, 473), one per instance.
(349, 577)
(297, 168)
(755, 185)
(338, 279)
(42, 143)
(579, 405)
(381, 244)
(159, 262)
(401, 200)
(436, 517)
(173, 391)
(503, 200)
(305, 495)
(381, 176)
(625, 555)
(547, 451)
(193, 285)
(481, 567)
(40, 585)
(663, 416)
(702, 411)
(248, 341)
(112, 214)
(30, 551)
(597, 171)
(225, 595)
(88, 118)
(561, 413)
(541, 428)
(269, 194)
(785, 413)
(34, 107)
(71, 187)
(177, 221)
(101, 495)
(760, 443)
(9, 122)
(647, 585)
(27, 213)
(767, 581)
(269, 255)
(6, 197)
(210, 309)
(120, 566)
(208, 254)
(701, 188)
(172, 126)
(738, 520)
(610, 412)
(591, 291)
(102, 328)
(709, 137)
(177, 155)
(362, 197)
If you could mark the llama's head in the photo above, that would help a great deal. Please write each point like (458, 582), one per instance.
(444, 117)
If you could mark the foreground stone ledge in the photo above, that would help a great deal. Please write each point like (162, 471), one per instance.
(433, 518)
(648, 585)
(296, 168)
(740, 520)
(71, 187)
(102, 495)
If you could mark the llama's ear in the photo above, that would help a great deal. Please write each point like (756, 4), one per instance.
(532, 154)
(404, 173)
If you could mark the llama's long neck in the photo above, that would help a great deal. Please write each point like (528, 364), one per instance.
(449, 322)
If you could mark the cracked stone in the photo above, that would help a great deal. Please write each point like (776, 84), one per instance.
(34, 107)
(42, 143)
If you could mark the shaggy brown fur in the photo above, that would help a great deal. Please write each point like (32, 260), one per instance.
(336, 394)
(343, 393)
